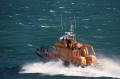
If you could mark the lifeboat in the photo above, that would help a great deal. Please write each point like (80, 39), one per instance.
(69, 51)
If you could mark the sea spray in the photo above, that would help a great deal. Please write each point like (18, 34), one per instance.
(110, 69)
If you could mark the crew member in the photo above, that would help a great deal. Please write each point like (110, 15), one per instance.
(63, 39)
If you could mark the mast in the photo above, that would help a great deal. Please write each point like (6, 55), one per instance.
(71, 33)
(75, 21)
(61, 22)
(75, 25)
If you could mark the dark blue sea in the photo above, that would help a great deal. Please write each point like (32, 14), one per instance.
(28, 24)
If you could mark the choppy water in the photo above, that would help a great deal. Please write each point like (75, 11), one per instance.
(27, 24)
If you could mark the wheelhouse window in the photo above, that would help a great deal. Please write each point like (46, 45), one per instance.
(67, 53)
(59, 50)
(56, 49)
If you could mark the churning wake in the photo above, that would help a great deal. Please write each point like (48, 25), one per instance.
(110, 69)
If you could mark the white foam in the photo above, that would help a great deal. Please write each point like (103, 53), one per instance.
(29, 44)
(99, 29)
(17, 14)
(47, 26)
(26, 7)
(67, 12)
(61, 7)
(111, 69)
(86, 27)
(97, 36)
(72, 3)
(10, 16)
(85, 19)
(52, 11)
(108, 8)
(41, 19)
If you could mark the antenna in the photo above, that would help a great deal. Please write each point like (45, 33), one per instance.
(71, 27)
(61, 22)
(75, 21)
(75, 26)
(65, 26)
